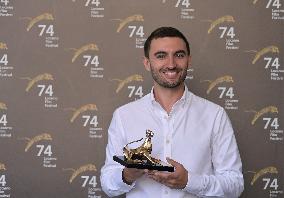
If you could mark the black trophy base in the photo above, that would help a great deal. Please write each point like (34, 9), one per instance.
(122, 161)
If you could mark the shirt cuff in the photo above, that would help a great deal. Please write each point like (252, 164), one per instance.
(194, 184)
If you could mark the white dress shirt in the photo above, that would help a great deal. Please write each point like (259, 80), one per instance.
(197, 134)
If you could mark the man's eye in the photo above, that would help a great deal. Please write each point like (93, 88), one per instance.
(160, 56)
(180, 55)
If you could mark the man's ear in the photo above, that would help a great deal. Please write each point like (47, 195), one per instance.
(146, 63)
(189, 61)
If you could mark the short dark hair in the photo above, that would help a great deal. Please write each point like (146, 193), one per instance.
(162, 32)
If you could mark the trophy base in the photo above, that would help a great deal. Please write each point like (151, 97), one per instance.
(122, 161)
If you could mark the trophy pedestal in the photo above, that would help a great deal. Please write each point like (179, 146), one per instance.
(122, 161)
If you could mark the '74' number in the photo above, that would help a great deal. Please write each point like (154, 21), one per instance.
(92, 181)
(138, 31)
(227, 92)
(46, 29)
(228, 31)
(44, 150)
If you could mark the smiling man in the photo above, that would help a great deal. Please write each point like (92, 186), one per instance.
(192, 134)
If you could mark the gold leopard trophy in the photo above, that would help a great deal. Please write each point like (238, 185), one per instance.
(141, 154)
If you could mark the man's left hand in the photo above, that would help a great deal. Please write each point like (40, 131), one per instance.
(177, 179)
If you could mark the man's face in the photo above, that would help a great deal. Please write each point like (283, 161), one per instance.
(168, 61)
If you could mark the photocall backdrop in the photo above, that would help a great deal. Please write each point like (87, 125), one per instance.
(66, 65)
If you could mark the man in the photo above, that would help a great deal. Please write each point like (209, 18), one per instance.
(190, 133)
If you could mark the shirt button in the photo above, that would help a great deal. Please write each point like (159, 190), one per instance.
(168, 141)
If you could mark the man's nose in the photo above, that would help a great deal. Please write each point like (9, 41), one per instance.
(171, 62)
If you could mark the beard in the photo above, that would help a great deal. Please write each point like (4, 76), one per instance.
(158, 78)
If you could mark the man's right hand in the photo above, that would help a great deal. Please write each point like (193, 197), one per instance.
(129, 175)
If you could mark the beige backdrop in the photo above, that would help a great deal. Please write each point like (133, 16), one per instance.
(65, 65)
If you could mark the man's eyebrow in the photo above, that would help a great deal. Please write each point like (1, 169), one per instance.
(180, 51)
(159, 52)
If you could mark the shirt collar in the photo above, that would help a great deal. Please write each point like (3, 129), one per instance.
(182, 100)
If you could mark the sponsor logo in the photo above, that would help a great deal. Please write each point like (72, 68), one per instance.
(124, 22)
(135, 92)
(31, 141)
(5, 69)
(44, 151)
(227, 78)
(80, 170)
(96, 9)
(87, 47)
(46, 28)
(89, 60)
(265, 110)
(6, 9)
(129, 79)
(87, 179)
(40, 77)
(277, 11)
(270, 181)
(186, 10)
(4, 188)
(223, 19)
(89, 119)
(271, 60)
(227, 93)
(260, 53)
(226, 32)
(5, 130)
(270, 121)
(33, 21)
(136, 32)
(262, 172)
(87, 107)
(46, 90)
(189, 75)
